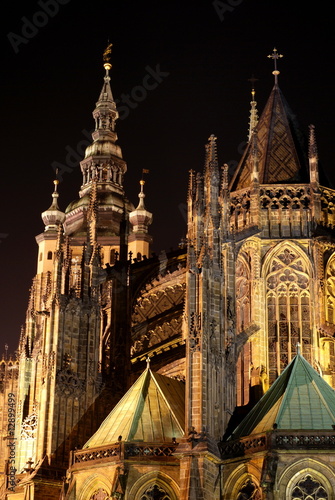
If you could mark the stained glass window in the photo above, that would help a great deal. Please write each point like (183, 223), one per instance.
(289, 311)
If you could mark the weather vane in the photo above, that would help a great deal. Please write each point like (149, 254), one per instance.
(275, 56)
(107, 57)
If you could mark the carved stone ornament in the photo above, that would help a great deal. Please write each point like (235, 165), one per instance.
(249, 491)
(155, 492)
(100, 494)
(68, 383)
(195, 335)
(29, 425)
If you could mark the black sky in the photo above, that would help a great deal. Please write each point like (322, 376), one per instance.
(50, 84)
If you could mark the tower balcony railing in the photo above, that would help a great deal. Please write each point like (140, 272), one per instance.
(279, 440)
(279, 211)
(121, 451)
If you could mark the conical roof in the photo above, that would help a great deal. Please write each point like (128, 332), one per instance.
(153, 410)
(300, 399)
(281, 155)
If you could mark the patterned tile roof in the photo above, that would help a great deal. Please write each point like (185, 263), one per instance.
(281, 156)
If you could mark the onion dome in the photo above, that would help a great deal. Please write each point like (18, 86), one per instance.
(53, 217)
(140, 218)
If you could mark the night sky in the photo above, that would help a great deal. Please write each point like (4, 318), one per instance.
(202, 55)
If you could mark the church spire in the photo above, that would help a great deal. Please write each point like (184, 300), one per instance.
(106, 96)
(103, 158)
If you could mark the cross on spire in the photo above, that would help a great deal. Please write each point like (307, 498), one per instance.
(275, 56)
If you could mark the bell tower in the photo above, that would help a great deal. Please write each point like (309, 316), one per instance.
(74, 346)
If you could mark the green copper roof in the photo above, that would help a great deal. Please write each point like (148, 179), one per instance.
(299, 399)
(153, 410)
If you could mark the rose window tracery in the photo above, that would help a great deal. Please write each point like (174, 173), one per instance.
(100, 494)
(309, 488)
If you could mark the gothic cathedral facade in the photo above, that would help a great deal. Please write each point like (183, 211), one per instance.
(207, 372)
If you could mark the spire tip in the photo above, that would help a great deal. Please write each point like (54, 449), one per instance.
(275, 56)
(107, 57)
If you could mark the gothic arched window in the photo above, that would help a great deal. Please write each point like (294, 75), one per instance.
(249, 491)
(155, 492)
(242, 293)
(289, 309)
(309, 488)
(330, 290)
(243, 318)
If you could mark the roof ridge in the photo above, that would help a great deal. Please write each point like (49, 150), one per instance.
(164, 397)
(324, 401)
(290, 382)
(139, 405)
(118, 406)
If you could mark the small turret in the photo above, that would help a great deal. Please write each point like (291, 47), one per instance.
(53, 219)
(140, 219)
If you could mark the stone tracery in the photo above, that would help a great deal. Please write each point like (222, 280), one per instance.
(288, 307)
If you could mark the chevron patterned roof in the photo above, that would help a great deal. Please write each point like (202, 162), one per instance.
(281, 156)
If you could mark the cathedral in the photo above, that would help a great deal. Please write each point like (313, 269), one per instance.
(205, 372)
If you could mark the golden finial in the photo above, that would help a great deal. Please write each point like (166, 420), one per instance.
(275, 56)
(253, 111)
(107, 57)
